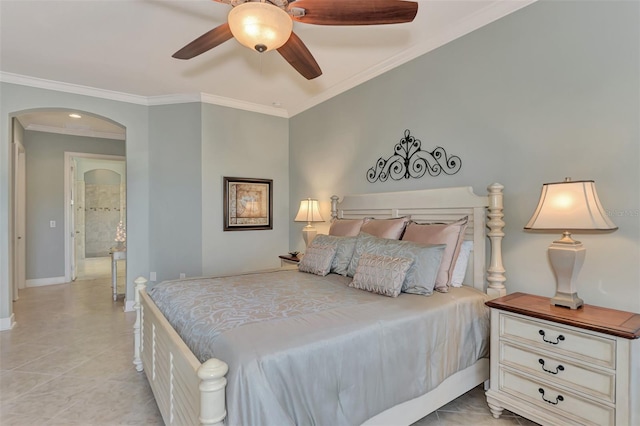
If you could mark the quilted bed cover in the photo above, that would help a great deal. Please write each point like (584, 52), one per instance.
(309, 350)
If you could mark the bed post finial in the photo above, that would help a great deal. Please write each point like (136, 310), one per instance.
(495, 272)
(212, 392)
(141, 284)
(334, 207)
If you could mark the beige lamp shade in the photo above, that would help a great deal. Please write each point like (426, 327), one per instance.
(570, 205)
(260, 26)
(308, 212)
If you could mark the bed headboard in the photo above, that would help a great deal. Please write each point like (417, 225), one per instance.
(444, 205)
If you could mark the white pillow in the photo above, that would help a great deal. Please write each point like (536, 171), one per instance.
(460, 270)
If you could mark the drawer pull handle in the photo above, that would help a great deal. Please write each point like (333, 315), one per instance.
(558, 398)
(558, 368)
(559, 339)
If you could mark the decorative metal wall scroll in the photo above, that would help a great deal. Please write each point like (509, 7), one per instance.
(410, 161)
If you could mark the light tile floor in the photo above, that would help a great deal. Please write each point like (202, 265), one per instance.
(68, 361)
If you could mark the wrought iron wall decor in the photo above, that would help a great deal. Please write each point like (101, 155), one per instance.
(410, 161)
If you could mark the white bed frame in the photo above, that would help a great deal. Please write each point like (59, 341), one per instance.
(190, 393)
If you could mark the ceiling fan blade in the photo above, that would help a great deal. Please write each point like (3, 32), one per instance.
(355, 12)
(296, 53)
(207, 41)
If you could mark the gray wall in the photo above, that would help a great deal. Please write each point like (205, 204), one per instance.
(175, 209)
(547, 92)
(45, 195)
(243, 144)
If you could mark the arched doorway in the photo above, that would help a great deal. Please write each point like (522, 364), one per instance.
(45, 135)
(96, 200)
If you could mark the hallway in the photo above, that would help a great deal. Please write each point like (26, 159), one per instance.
(68, 360)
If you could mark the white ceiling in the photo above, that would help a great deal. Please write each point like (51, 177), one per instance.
(121, 49)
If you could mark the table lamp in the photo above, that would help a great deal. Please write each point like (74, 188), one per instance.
(568, 206)
(309, 213)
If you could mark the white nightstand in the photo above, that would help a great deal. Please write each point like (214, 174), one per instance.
(561, 366)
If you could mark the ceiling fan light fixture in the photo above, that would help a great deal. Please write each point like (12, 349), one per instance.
(260, 26)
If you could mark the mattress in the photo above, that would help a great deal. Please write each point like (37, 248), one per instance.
(304, 349)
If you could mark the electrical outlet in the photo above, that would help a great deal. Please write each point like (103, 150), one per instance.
(183, 275)
(52, 224)
(152, 276)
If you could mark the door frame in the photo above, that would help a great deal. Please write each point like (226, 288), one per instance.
(19, 219)
(69, 191)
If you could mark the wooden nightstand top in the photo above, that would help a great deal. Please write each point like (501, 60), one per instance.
(603, 320)
(289, 258)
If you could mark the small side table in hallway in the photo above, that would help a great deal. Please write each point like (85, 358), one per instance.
(116, 254)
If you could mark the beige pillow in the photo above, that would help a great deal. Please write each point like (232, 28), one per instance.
(317, 259)
(346, 227)
(381, 274)
(451, 234)
(386, 228)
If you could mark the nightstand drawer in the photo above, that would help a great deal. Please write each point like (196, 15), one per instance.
(567, 404)
(540, 334)
(597, 383)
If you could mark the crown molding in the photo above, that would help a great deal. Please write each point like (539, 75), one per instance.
(77, 89)
(75, 132)
(247, 106)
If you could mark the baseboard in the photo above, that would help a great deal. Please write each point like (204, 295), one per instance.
(7, 323)
(39, 282)
(129, 305)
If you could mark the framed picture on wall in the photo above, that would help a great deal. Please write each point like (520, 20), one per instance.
(248, 204)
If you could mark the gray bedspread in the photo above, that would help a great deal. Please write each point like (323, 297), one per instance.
(309, 350)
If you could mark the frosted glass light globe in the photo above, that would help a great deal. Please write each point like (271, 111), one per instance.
(260, 26)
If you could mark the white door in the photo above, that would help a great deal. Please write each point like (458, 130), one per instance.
(72, 219)
(19, 258)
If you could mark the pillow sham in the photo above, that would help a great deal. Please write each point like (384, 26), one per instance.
(451, 234)
(317, 259)
(346, 227)
(344, 250)
(381, 274)
(386, 228)
(460, 270)
(420, 279)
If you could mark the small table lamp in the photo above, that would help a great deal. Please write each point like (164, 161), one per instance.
(568, 206)
(308, 213)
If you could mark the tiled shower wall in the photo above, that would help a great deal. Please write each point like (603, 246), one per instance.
(101, 215)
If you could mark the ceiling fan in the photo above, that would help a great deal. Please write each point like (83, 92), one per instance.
(265, 25)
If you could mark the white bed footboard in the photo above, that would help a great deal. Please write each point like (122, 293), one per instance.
(186, 391)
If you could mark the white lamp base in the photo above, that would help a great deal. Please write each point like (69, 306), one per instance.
(308, 234)
(566, 257)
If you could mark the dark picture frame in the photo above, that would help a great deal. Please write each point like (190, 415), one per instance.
(248, 204)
